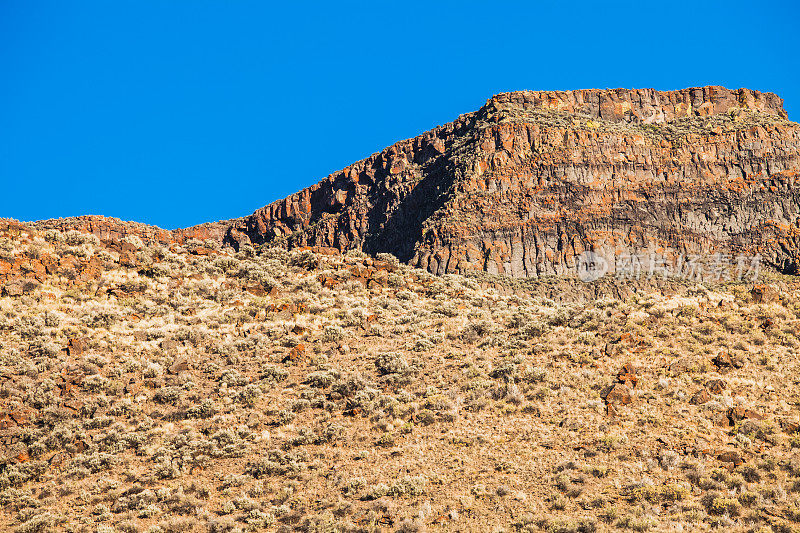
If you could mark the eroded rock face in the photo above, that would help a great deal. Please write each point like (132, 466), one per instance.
(533, 179)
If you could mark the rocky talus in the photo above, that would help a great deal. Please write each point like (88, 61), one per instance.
(533, 179)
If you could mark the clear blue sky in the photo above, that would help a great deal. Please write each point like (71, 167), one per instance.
(180, 112)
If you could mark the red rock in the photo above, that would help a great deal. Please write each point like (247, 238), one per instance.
(133, 387)
(328, 282)
(66, 387)
(50, 264)
(260, 291)
(627, 375)
(180, 365)
(128, 259)
(725, 361)
(57, 459)
(375, 283)
(68, 262)
(92, 269)
(73, 405)
(112, 229)
(297, 353)
(6, 422)
(619, 394)
(629, 380)
(384, 266)
(33, 268)
(763, 294)
(20, 417)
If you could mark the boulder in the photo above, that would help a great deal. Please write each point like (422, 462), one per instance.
(726, 361)
(735, 414)
(701, 397)
(76, 347)
(180, 365)
(619, 394)
(733, 458)
(716, 386)
(762, 294)
(13, 288)
(296, 354)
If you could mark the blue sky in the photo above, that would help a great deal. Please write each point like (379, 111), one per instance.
(176, 113)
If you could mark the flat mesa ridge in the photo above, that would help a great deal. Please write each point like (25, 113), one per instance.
(533, 179)
(645, 105)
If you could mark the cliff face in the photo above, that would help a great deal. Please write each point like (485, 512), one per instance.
(530, 181)
(533, 179)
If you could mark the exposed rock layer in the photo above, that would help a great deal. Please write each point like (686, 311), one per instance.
(533, 179)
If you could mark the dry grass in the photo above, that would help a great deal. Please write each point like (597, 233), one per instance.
(412, 403)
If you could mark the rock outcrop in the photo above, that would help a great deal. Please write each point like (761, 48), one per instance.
(110, 228)
(532, 180)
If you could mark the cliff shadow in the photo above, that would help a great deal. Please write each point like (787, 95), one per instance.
(397, 230)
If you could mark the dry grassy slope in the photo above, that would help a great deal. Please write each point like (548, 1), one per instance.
(177, 389)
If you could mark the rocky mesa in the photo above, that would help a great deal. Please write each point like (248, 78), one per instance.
(533, 179)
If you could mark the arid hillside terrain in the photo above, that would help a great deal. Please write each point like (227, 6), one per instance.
(566, 311)
(180, 386)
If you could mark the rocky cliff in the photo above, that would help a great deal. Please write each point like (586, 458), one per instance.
(533, 179)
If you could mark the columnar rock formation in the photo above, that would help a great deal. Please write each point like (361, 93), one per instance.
(533, 179)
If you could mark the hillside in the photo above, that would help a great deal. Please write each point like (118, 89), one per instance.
(183, 387)
(567, 311)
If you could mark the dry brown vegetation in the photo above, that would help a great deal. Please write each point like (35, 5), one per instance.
(189, 388)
